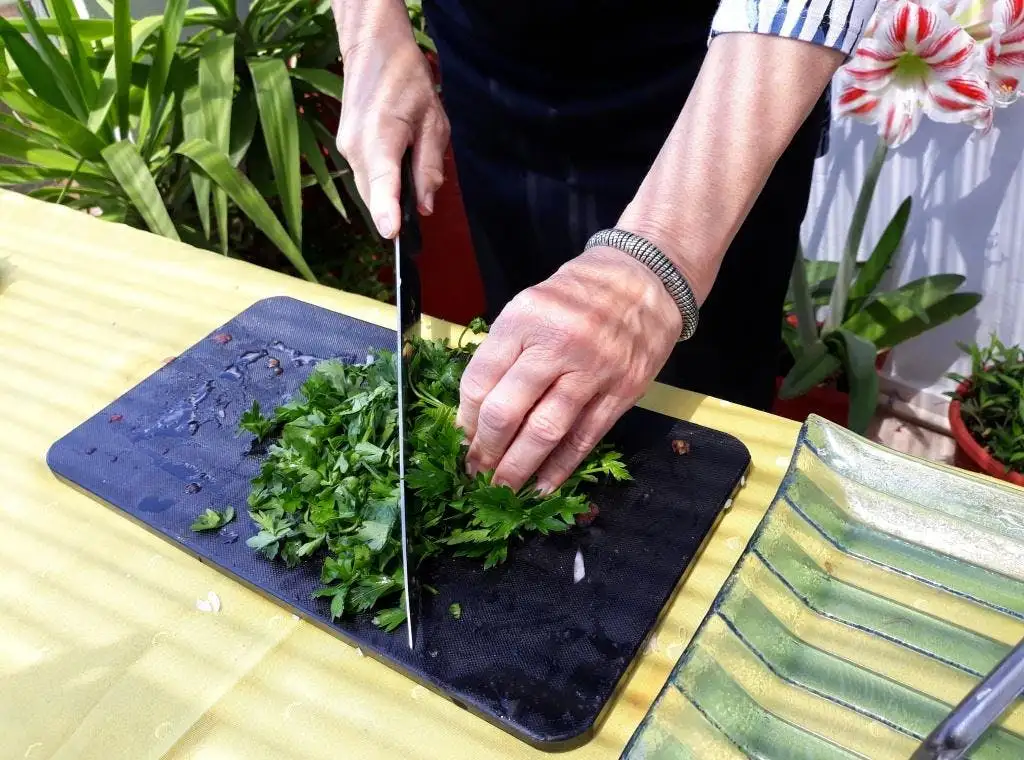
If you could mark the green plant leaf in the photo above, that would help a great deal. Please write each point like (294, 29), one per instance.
(87, 29)
(32, 67)
(807, 327)
(848, 262)
(899, 315)
(194, 128)
(279, 122)
(815, 365)
(123, 57)
(140, 32)
(60, 70)
(225, 9)
(243, 124)
(216, 87)
(167, 43)
(327, 82)
(218, 167)
(52, 120)
(315, 159)
(20, 174)
(878, 263)
(65, 14)
(858, 358)
(140, 187)
(23, 150)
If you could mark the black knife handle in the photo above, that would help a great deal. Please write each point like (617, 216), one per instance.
(410, 229)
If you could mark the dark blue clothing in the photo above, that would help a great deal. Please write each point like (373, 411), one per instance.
(558, 109)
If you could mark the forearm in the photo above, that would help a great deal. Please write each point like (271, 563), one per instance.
(359, 21)
(752, 95)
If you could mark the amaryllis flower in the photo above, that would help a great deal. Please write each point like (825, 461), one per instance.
(1004, 51)
(918, 61)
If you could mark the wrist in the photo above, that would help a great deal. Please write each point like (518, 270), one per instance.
(685, 251)
(362, 22)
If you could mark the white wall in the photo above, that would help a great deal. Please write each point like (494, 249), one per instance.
(968, 218)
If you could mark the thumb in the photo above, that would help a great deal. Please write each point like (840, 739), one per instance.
(384, 179)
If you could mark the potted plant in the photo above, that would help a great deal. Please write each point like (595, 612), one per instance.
(843, 351)
(986, 414)
(833, 364)
(125, 119)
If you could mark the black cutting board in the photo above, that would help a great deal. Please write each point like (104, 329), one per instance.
(533, 652)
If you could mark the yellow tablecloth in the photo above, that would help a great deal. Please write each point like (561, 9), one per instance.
(103, 653)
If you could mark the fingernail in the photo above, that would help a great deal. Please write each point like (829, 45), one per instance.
(384, 226)
(428, 203)
(544, 488)
(471, 468)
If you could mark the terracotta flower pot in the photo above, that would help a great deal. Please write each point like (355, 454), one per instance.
(971, 450)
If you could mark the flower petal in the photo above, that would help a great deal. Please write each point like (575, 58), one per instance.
(957, 99)
(859, 103)
(900, 116)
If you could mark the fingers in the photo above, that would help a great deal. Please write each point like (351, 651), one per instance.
(376, 161)
(543, 430)
(592, 424)
(505, 408)
(428, 160)
(489, 364)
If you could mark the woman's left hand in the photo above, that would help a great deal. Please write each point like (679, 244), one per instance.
(562, 362)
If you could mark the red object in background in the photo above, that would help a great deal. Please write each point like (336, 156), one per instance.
(823, 400)
(971, 455)
(449, 276)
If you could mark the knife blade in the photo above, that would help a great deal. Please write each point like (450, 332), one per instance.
(407, 298)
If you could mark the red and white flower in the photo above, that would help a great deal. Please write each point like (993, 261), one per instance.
(917, 62)
(1003, 51)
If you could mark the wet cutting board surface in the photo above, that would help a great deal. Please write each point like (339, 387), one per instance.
(533, 652)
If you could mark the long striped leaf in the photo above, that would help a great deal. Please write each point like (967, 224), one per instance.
(131, 171)
(52, 120)
(32, 67)
(323, 81)
(218, 167)
(216, 87)
(243, 124)
(174, 19)
(22, 150)
(279, 121)
(315, 159)
(141, 31)
(123, 57)
(65, 14)
(60, 70)
(18, 174)
(194, 128)
(87, 29)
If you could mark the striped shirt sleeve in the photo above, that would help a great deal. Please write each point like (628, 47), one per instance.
(837, 24)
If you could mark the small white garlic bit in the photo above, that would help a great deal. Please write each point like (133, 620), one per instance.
(578, 569)
(210, 604)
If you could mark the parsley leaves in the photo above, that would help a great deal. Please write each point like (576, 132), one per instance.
(211, 519)
(328, 490)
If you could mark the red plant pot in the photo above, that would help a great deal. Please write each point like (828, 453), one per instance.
(823, 400)
(972, 451)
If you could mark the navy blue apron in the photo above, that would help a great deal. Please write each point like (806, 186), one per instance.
(558, 109)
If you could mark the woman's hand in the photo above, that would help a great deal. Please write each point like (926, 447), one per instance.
(389, 103)
(563, 361)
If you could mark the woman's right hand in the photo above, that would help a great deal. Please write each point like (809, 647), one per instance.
(389, 103)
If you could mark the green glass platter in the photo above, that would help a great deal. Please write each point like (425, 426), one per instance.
(877, 591)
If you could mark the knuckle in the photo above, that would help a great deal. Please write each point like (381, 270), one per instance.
(471, 390)
(497, 415)
(579, 443)
(545, 429)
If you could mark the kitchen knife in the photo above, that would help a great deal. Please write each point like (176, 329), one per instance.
(407, 297)
(986, 703)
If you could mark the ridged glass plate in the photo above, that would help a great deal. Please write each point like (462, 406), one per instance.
(877, 591)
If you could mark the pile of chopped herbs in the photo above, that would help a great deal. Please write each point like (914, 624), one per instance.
(329, 488)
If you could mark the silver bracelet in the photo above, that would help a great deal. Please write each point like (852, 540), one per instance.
(649, 255)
